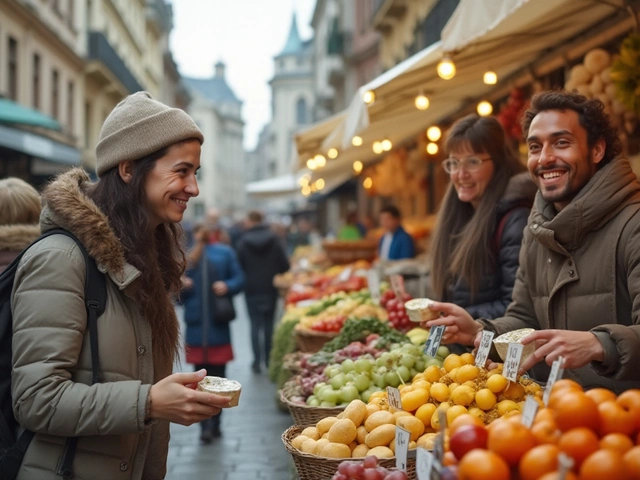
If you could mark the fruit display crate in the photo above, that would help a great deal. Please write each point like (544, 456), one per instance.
(304, 415)
(343, 252)
(310, 341)
(312, 467)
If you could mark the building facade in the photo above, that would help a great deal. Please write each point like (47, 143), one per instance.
(217, 111)
(64, 65)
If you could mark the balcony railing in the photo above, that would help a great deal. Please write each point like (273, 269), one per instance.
(101, 50)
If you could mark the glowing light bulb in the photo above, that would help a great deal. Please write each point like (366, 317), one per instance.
(306, 190)
(432, 148)
(356, 141)
(311, 164)
(387, 145)
(485, 108)
(303, 181)
(377, 148)
(332, 153)
(320, 184)
(357, 166)
(422, 102)
(369, 97)
(368, 183)
(490, 78)
(434, 133)
(446, 68)
(320, 161)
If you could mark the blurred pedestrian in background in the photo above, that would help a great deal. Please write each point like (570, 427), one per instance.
(396, 243)
(217, 234)
(146, 157)
(350, 230)
(480, 226)
(262, 257)
(213, 278)
(19, 218)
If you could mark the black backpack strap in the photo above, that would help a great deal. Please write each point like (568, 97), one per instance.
(95, 297)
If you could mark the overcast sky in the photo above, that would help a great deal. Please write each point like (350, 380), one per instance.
(246, 35)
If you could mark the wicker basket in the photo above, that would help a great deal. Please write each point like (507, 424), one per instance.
(312, 467)
(310, 341)
(304, 415)
(343, 252)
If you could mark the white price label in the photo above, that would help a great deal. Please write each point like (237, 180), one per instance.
(374, 285)
(512, 362)
(556, 373)
(304, 263)
(402, 448)
(397, 285)
(345, 274)
(433, 342)
(394, 397)
(306, 303)
(484, 349)
(296, 287)
(565, 464)
(529, 411)
(424, 463)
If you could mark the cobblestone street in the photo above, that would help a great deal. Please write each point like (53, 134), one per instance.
(250, 447)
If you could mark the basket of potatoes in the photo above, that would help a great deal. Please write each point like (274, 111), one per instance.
(318, 450)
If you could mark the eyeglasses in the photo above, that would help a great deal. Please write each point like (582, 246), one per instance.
(473, 164)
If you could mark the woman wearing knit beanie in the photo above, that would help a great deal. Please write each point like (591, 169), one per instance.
(146, 158)
(19, 213)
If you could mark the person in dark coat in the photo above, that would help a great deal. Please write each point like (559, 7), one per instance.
(262, 257)
(209, 342)
(485, 209)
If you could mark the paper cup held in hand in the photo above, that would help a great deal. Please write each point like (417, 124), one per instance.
(419, 311)
(223, 387)
(516, 336)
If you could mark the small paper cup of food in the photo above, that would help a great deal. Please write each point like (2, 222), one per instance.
(223, 387)
(419, 311)
(502, 343)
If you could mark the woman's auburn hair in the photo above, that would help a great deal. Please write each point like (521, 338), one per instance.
(461, 247)
(155, 252)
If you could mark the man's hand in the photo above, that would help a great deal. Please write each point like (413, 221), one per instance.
(220, 288)
(461, 327)
(577, 348)
(187, 283)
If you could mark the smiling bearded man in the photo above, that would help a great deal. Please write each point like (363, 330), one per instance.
(578, 284)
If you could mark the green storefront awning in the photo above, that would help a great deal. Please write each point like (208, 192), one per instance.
(11, 112)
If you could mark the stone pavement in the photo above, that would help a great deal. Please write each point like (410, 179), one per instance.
(250, 447)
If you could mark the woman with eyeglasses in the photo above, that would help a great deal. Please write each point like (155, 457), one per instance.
(481, 220)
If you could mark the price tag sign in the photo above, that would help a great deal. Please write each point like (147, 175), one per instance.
(433, 342)
(565, 463)
(374, 285)
(512, 363)
(345, 274)
(304, 263)
(397, 285)
(296, 287)
(394, 397)
(402, 448)
(556, 373)
(529, 411)
(484, 349)
(424, 463)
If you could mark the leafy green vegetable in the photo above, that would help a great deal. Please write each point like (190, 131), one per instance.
(284, 341)
(354, 330)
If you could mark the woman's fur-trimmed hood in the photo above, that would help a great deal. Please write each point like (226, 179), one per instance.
(68, 206)
(15, 238)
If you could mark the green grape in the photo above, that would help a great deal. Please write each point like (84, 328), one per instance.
(363, 365)
(386, 358)
(332, 396)
(348, 393)
(349, 377)
(362, 382)
(392, 379)
(419, 366)
(327, 404)
(443, 352)
(379, 380)
(380, 362)
(313, 401)
(434, 361)
(404, 373)
(338, 381)
(348, 365)
(364, 396)
(407, 360)
(317, 387)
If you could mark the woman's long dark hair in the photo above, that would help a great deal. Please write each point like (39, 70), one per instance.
(156, 252)
(462, 240)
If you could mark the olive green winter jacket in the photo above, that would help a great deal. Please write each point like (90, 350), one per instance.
(580, 270)
(51, 380)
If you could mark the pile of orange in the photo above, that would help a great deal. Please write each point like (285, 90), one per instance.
(597, 430)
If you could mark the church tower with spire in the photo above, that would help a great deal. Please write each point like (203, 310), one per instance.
(291, 98)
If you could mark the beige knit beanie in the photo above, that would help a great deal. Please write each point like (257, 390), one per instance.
(139, 126)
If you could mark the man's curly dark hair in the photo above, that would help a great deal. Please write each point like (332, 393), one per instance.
(590, 113)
